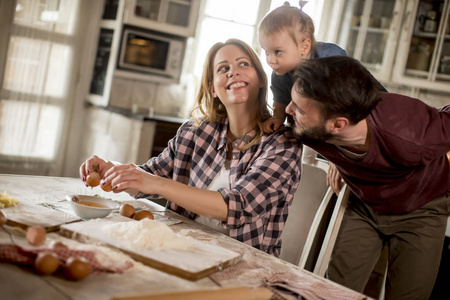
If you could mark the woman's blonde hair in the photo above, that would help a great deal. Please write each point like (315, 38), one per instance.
(293, 20)
(210, 109)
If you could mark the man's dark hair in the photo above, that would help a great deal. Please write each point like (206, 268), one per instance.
(341, 86)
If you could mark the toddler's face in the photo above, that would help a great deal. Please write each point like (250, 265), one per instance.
(282, 54)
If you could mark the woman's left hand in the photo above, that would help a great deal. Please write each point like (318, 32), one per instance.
(131, 177)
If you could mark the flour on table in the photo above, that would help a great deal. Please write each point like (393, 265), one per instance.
(147, 233)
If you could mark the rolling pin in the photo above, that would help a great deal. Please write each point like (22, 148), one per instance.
(235, 293)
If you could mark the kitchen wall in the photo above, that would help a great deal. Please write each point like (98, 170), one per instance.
(174, 100)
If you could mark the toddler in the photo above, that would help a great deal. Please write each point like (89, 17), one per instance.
(286, 34)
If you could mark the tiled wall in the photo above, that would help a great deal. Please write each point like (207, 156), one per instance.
(173, 100)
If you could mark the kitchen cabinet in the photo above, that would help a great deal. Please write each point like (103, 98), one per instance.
(177, 17)
(106, 52)
(368, 31)
(117, 137)
(164, 132)
(423, 58)
(116, 18)
(405, 43)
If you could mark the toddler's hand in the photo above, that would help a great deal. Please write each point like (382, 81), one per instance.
(272, 124)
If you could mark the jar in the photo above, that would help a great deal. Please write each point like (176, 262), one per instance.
(430, 24)
(444, 66)
(419, 57)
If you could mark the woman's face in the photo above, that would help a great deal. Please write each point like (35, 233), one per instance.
(235, 80)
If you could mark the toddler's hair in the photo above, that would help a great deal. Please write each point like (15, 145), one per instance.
(293, 20)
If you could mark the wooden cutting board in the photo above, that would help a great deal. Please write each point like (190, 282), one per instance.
(27, 214)
(196, 262)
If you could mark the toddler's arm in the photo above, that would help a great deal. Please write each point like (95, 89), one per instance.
(279, 116)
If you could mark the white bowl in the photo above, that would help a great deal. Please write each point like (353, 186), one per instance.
(91, 207)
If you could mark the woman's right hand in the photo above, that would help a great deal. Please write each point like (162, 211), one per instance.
(95, 164)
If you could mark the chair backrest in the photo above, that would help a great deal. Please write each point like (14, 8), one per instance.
(306, 201)
(334, 224)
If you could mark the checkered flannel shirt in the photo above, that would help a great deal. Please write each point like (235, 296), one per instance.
(263, 179)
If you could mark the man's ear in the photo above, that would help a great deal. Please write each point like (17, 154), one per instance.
(305, 48)
(338, 125)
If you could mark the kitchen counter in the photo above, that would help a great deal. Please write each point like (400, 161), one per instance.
(144, 115)
(19, 282)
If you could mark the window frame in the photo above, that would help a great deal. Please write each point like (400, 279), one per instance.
(7, 9)
(264, 7)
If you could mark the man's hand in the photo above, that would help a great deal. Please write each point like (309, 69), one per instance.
(334, 179)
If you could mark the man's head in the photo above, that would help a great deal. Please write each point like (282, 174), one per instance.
(329, 93)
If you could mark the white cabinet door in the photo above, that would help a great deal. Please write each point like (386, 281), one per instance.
(368, 31)
(178, 17)
(423, 57)
(116, 137)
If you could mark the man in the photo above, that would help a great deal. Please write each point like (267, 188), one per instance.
(390, 149)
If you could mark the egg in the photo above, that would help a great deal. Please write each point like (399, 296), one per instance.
(106, 187)
(143, 214)
(2, 219)
(127, 210)
(77, 268)
(58, 245)
(93, 179)
(36, 235)
(46, 263)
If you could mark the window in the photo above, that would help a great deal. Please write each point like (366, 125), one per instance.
(35, 78)
(222, 20)
(37, 82)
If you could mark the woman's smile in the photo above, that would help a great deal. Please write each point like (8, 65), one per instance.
(236, 85)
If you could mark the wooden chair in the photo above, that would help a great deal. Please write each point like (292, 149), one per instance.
(314, 219)
(313, 230)
(306, 201)
(331, 234)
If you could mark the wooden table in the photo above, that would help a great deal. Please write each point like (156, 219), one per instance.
(18, 282)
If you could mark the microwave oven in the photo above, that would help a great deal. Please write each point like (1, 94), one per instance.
(151, 52)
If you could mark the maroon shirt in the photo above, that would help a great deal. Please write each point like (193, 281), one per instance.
(406, 165)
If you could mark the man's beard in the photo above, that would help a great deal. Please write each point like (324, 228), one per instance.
(315, 133)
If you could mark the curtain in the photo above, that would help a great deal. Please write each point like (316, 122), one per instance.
(37, 73)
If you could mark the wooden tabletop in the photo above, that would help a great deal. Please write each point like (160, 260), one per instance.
(19, 282)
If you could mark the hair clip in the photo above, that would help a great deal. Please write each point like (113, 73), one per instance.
(302, 4)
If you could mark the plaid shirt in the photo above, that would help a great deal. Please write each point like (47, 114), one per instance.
(263, 179)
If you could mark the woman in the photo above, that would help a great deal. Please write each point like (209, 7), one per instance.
(221, 169)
